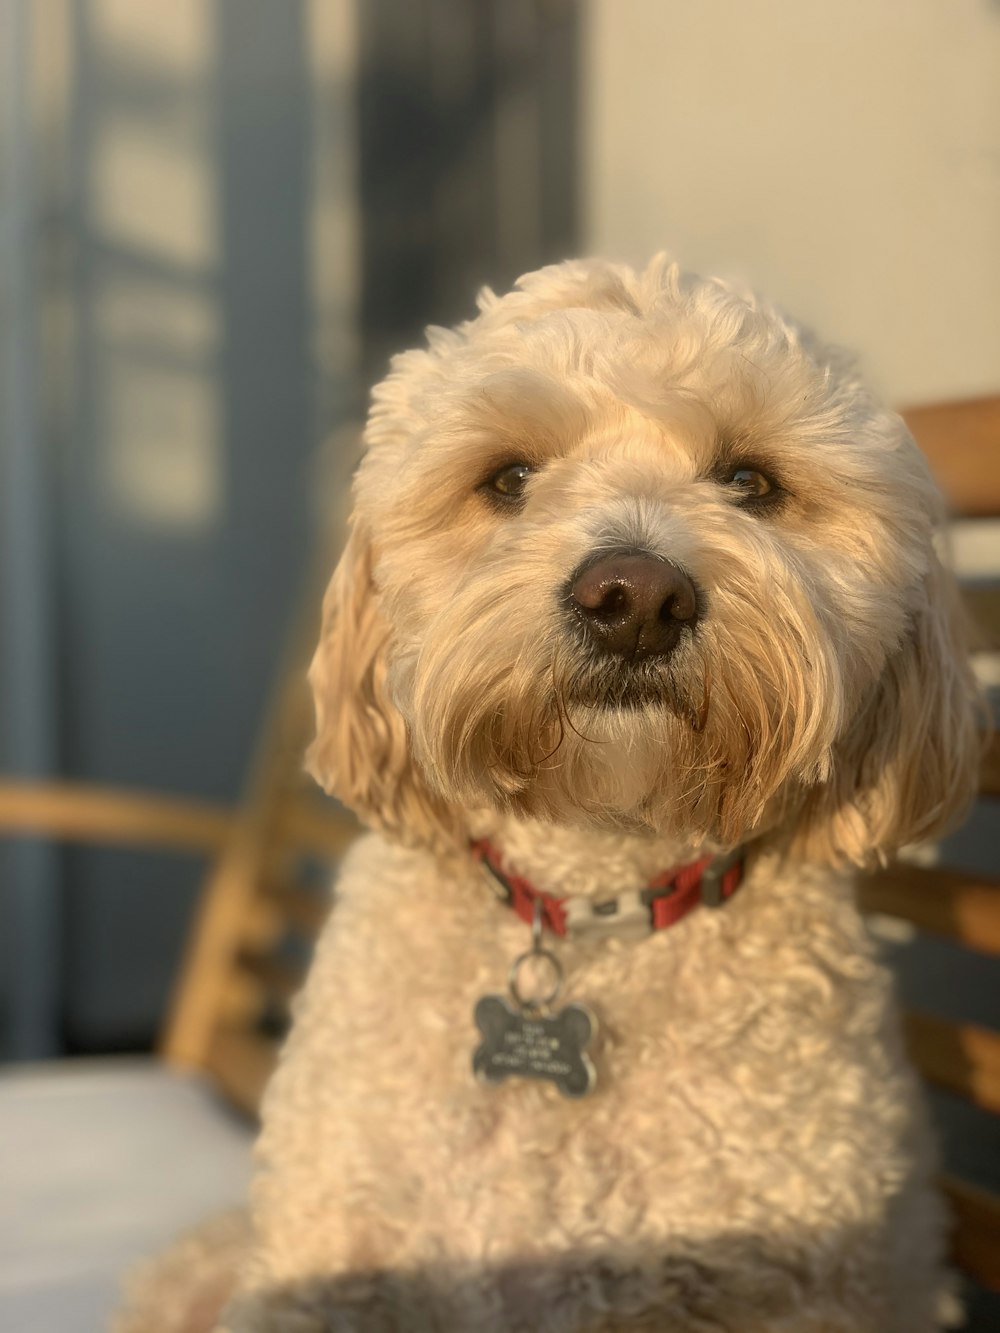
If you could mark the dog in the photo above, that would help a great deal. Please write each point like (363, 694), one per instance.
(639, 645)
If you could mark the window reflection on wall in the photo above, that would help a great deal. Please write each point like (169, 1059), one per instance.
(153, 215)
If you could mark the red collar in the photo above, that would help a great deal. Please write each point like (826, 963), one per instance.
(663, 902)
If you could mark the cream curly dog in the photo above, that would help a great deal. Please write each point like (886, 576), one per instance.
(640, 636)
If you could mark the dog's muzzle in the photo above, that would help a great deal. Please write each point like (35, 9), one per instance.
(632, 604)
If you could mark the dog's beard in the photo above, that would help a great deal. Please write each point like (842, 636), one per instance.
(705, 744)
(598, 681)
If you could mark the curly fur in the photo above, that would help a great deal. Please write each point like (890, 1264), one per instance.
(755, 1157)
(184, 1289)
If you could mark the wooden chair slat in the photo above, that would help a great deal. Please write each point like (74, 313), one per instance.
(241, 1062)
(322, 829)
(989, 782)
(953, 903)
(279, 979)
(976, 1233)
(84, 813)
(964, 1059)
(982, 602)
(246, 863)
(962, 443)
(305, 911)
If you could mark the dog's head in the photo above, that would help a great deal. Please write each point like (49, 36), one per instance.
(631, 550)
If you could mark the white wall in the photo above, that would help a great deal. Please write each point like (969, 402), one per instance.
(844, 158)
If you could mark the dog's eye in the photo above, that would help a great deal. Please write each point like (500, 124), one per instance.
(748, 484)
(509, 482)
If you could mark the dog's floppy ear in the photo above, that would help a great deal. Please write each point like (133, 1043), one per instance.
(361, 753)
(908, 766)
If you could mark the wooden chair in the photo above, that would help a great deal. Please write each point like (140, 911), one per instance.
(264, 902)
(228, 1009)
(962, 442)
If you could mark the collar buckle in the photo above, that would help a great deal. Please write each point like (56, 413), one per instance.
(713, 875)
(626, 917)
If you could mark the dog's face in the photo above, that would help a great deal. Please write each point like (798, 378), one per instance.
(629, 551)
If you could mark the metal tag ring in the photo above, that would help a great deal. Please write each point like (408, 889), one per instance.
(545, 1000)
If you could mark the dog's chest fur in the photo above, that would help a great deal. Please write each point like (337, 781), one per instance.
(748, 1069)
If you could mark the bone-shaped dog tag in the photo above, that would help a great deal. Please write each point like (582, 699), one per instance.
(529, 1043)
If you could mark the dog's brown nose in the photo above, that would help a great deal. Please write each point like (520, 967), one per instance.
(633, 604)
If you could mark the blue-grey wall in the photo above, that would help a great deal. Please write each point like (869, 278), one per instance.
(159, 426)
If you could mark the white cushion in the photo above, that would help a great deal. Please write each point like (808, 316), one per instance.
(101, 1163)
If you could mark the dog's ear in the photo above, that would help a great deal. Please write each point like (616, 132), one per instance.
(908, 766)
(361, 752)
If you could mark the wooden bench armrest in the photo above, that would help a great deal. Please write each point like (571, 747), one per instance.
(80, 812)
(976, 1235)
(83, 812)
(956, 437)
(951, 903)
(964, 1058)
